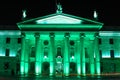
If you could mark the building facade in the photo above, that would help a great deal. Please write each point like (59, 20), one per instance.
(59, 44)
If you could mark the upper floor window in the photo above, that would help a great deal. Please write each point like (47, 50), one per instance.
(19, 40)
(7, 40)
(7, 52)
(46, 42)
(100, 52)
(45, 52)
(72, 43)
(99, 41)
(112, 53)
(59, 51)
(33, 52)
(6, 65)
(72, 53)
(111, 41)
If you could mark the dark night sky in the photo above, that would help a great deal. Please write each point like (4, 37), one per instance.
(108, 12)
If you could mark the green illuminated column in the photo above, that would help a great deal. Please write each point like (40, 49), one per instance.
(66, 55)
(91, 54)
(26, 56)
(52, 54)
(78, 58)
(22, 63)
(82, 52)
(97, 54)
(38, 56)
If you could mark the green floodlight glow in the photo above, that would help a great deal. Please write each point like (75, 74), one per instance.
(59, 19)
(22, 68)
(98, 68)
(110, 33)
(105, 55)
(92, 69)
(79, 69)
(12, 54)
(26, 68)
(66, 69)
(73, 57)
(51, 68)
(117, 55)
(37, 69)
(45, 57)
(1, 54)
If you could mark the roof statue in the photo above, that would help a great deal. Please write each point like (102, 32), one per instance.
(59, 8)
(24, 14)
(95, 15)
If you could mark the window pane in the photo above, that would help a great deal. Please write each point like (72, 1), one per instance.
(7, 52)
(111, 41)
(7, 40)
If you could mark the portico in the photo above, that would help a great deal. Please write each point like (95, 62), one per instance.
(59, 40)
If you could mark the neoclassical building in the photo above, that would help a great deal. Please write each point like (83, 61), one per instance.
(59, 44)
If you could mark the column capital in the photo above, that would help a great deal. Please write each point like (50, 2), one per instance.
(67, 35)
(97, 35)
(82, 35)
(52, 35)
(37, 35)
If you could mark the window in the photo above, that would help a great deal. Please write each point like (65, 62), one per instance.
(100, 53)
(112, 53)
(7, 52)
(19, 40)
(111, 41)
(59, 51)
(86, 53)
(46, 42)
(72, 43)
(99, 41)
(6, 65)
(45, 52)
(33, 52)
(7, 40)
(72, 52)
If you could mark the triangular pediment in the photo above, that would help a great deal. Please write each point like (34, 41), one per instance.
(59, 21)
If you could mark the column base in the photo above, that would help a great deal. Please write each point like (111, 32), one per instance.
(78, 76)
(66, 75)
(51, 75)
(22, 75)
(83, 74)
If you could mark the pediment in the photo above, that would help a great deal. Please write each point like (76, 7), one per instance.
(59, 21)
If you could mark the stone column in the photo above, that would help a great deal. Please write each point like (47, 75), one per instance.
(82, 52)
(52, 54)
(38, 56)
(66, 55)
(22, 63)
(97, 54)
(78, 58)
(91, 54)
(26, 56)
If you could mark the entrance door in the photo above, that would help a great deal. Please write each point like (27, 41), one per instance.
(59, 66)
(32, 68)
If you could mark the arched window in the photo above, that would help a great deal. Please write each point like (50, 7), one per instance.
(45, 52)
(59, 51)
(72, 43)
(72, 52)
(46, 42)
(33, 52)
